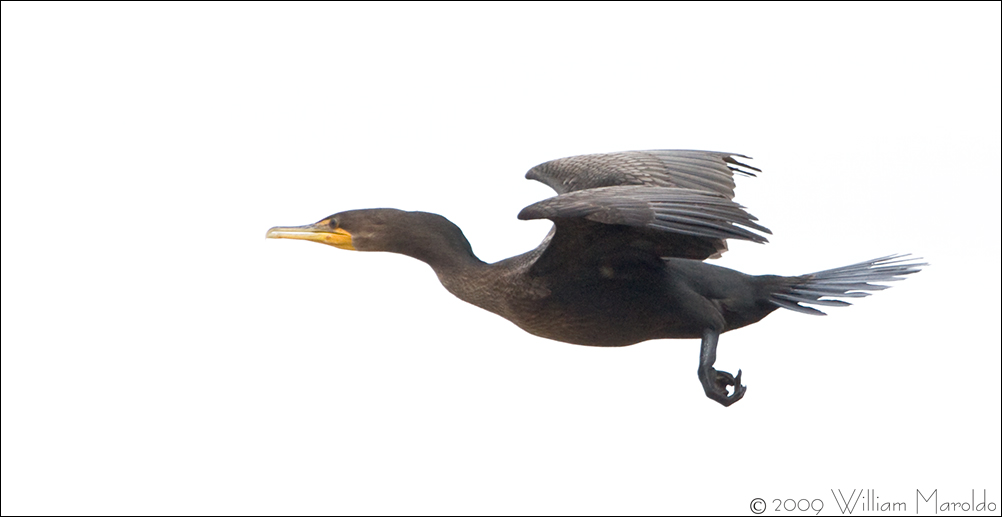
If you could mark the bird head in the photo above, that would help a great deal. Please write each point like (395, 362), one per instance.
(418, 234)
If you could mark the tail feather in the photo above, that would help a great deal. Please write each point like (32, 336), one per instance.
(843, 282)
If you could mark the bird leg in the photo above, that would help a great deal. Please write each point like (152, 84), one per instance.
(715, 383)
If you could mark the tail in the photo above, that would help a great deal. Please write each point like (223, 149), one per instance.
(842, 282)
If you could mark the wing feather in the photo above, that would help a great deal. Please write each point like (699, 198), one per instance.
(687, 211)
(676, 201)
(701, 170)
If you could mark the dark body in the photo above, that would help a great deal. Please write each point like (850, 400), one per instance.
(624, 298)
(624, 260)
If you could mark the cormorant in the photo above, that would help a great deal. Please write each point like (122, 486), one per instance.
(623, 262)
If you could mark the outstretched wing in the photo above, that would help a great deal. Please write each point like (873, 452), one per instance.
(651, 203)
(677, 210)
(700, 170)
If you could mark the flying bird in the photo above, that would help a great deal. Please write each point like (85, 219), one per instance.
(624, 261)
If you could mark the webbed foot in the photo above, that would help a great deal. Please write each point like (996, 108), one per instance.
(715, 385)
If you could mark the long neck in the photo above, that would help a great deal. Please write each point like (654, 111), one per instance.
(438, 242)
(477, 283)
(462, 273)
(496, 287)
(448, 258)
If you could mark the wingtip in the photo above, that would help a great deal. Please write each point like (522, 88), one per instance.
(527, 213)
(730, 159)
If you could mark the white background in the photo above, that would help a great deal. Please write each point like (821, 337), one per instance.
(161, 356)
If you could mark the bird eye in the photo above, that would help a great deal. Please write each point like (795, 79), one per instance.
(333, 223)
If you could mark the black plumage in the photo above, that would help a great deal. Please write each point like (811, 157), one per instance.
(624, 260)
